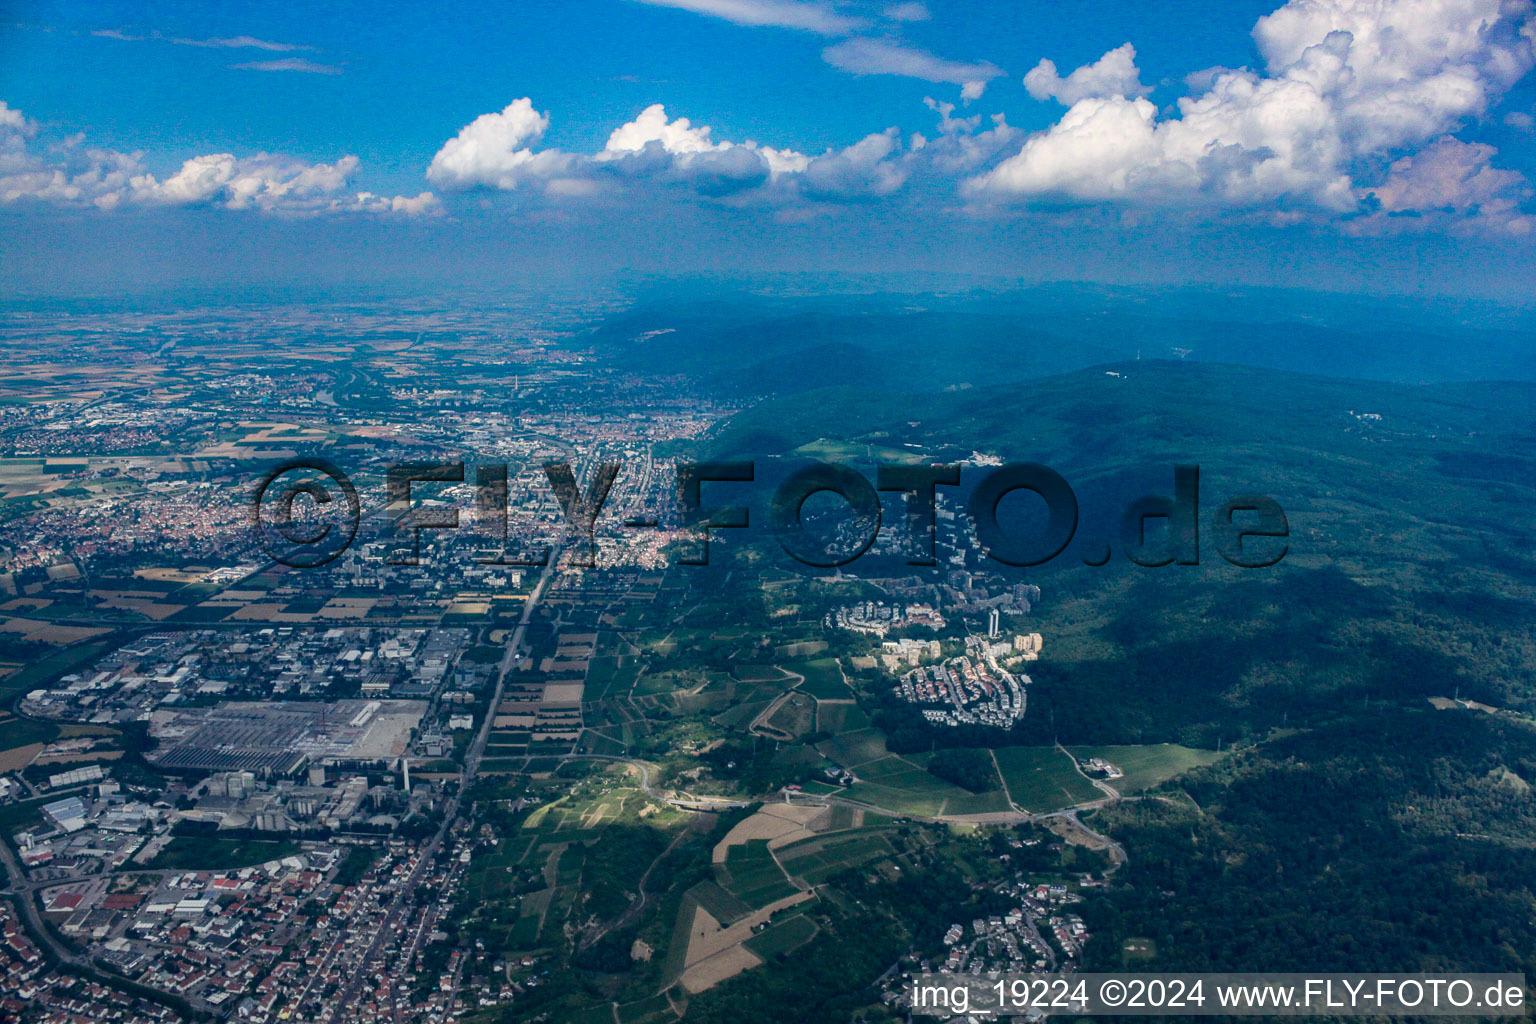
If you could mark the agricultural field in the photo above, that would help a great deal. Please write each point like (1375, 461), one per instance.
(760, 674)
(993, 802)
(1147, 766)
(705, 951)
(782, 937)
(23, 738)
(818, 859)
(718, 903)
(595, 741)
(751, 874)
(900, 784)
(778, 823)
(489, 873)
(855, 747)
(841, 816)
(740, 716)
(922, 798)
(835, 718)
(610, 675)
(38, 667)
(505, 742)
(823, 679)
(1041, 779)
(792, 717)
(641, 1011)
(670, 681)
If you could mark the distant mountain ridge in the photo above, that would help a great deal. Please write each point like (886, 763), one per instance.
(1180, 406)
(758, 347)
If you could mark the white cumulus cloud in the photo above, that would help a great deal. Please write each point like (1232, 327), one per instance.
(863, 170)
(961, 145)
(677, 136)
(496, 150)
(677, 150)
(1113, 74)
(262, 182)
(1346, 83)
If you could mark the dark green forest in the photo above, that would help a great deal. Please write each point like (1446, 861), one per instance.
(1398, 841)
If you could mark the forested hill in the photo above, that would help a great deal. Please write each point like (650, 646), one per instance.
(1365, 820)
(1394, 841)
(1146, 406)
(1409, 574)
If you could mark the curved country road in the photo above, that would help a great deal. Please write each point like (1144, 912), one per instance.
(689, 802)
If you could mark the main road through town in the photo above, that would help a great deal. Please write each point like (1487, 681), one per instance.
(509, 658)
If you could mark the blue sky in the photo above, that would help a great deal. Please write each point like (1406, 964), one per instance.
(1204, 140)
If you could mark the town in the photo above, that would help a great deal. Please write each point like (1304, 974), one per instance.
(976, 687)
(425, 781)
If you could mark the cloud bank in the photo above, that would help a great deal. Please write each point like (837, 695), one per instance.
(500, 151)
(71, 173)
(1351, 119)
